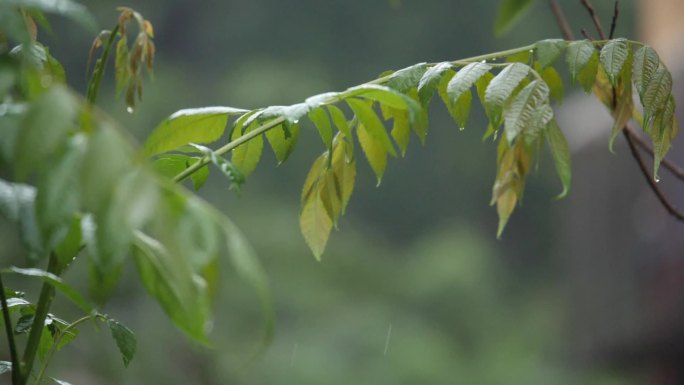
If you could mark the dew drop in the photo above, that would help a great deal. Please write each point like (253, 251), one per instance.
(129, 109)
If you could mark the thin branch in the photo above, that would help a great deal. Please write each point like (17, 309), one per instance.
(669, 165)
(613, 23)
(654, 186)
(594, 18)
(16, 370)
(562, 20)
(586, 34)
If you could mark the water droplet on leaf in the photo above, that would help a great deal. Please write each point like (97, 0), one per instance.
(129, 109)
(461, 128)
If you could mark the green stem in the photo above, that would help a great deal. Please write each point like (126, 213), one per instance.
(100, 65)
(274, 123)
(47, 293)
(16, 370)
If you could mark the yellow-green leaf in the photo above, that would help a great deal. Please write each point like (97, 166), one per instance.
(374, 150)
(246, 157)
(372, 124)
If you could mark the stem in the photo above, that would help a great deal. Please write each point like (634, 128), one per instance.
(100, 65)
(47, 293)
(16, 370)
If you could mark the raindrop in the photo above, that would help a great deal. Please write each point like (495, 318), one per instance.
(387, 340)
(657, 179)
(461, 128)
(129, 109)
(484, 61)
(296, 121)
(531, 50)
(496, 134)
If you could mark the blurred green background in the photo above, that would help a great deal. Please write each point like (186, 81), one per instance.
(414, 288)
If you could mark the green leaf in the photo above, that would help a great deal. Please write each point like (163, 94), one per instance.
(228, 169)
(246, 157)
(509, 13)
(68, 8)
(481, 85)
(194, 125)
(372, 124)
(17, 204)
(283, 141)
(561, 155)
(401, 129)
(344, 169)
(613, 56)
(501, 88)
(320, 119)
(430, 80)
(53, 280)
(124, 338)
(374, 150)
(70, 246)
(169, 279)
(656, 94)
(555, 83)
(406, 78)
(662, 134)
(623, 106)
(340, 121)
(646, 63)
(520, 111)
(315, 223)
(548, 51)
(44, 130)
(461, 109)
(386, 96)
(122, 72)
(171, 165)
(582, 61)
(465, 78)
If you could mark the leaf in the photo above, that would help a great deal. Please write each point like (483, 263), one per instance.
(17, 204)
(613, 56)
(70, 246)
(561, 155)
(68, 8)
(664, 130)
(5, 366)
(344, 169)
(513, 166)
(624, 101)
(430, 80)
(548, 51)
(340, 121)
(44, 130)
(59, 382)
(656, 94)
(372, 124)
(501, 88)
(193, 125)
(315, 223)
(582, 61)
(509, 13)
(386, 96)
(465, 78)
(283, 141)
(401, 129)
(321, 120)
(555, 83)
(519, 113)
(122, 72)
(406, 78)
(461, 109)
(481, 85)
(171, 165)
(374, 150)
(54, 281)
(646, 63)
(246, 157)
(124, 338)
(228, 169)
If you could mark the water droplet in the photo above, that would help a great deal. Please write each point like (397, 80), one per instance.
(387, 340)
(531, 50)
(496, 134)
(129, 109)
(296, 121)
(657, 179)
(484, 61)
(461, 128)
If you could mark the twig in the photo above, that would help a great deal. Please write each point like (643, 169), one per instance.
(644, 170)
(562, 20)
(586, 34)
(613, 23)
(594, 18)
(16, 370)
(672, 167)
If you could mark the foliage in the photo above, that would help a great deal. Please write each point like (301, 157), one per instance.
(81, 186)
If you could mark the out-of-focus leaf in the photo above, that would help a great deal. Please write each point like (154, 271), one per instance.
(561, 155)
(121, 69)
(5, 367)
(68, 291)
(17, 204)
(68, 8)
(510, 12)
(194, 125)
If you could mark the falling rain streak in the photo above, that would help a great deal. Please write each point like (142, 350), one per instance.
(387, 340)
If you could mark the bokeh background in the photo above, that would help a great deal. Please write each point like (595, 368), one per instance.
(414, 288)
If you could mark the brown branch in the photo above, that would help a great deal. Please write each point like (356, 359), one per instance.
(594, 18)
(586, 34)
(613, 23)
(669, 165)
(562, 20)
(654, 186)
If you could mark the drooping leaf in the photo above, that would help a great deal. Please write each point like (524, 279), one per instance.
(582, 60)
(340, 121)
(122, 72)
(509, 13)
(283, 141)
(548, 51)
(406, 78)
(555, 83)
(613, 57)
(461, 109)
(124, 338)
(513, 166)
(655, 95)
(520, 111)
(68, 291)
(374, 150)
(372, 124)
(561, 155)
(501, 88)
(646, 63)
(430, 80)
(194, 125)
(624, 101)
(481, 85)
(321, 120)
(401, 129)
(246, 157)
(314, 220)
(465, 78)
(662, 134)
(344, 168)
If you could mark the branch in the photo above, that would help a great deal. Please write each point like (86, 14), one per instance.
(562, 20)
(613, 23)
(594, 18)
(16, 370)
